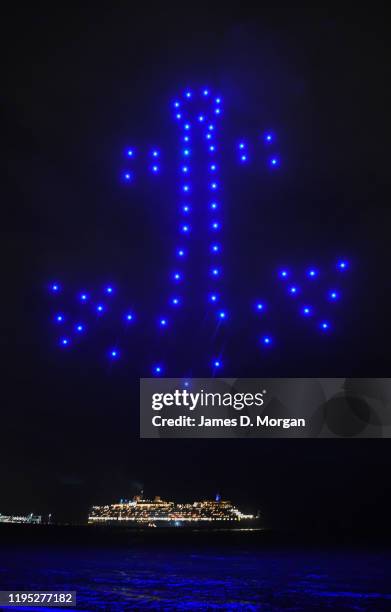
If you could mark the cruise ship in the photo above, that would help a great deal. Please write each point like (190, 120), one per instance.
(140, 512)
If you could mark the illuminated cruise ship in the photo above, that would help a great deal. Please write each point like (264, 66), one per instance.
(160, 513)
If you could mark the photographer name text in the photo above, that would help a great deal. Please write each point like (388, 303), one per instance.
(241, 421)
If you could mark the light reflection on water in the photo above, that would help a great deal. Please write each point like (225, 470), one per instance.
(122, 579)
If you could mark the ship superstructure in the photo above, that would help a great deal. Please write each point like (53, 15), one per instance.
(145, 512)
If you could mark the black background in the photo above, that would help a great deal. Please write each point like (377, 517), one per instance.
(82, 82)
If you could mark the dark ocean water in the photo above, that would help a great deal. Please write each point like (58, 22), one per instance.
(185, 576)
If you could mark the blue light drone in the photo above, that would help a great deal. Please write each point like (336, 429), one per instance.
(197, 114)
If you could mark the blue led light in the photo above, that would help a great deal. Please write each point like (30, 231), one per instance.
(186, 139)
(175, 301)
(163, 322)
(218, 100)
(55, 287)
(188, 94)
(259, 306)
(177, 276)
(213, 167)
(333, 295)
(215, 248)
(127, 176)
(177, 104)
(64, 341)
(293, 290)
(157, 370)
(212, 148)
(155, 153)
(129, 316)
(186, 208)
(114, 353)
(79, 328)
(100, 308)
(283, 273)
(222, 314)
(60, 318)
(268, 137)
(274, 162)
(180, 252)
(307, 311)
(185, 169)
(208, 136)
(312, 273)
(201, 118)
(243, 158)
(324, 325)
(213, 205)
(241, 145)
(215, 272)
(217, 363)
(217, 111)
(342, 265)
(187, 126)
(178, 116)
(130, 153)
(215, 225)
(186, 188)
(267, 340)
(109, 290)
(211, 127)
(213, 297)
(155, 169)
(213, 186)
(205, 92)
(185, 228)
(83, 297)
(186, 152)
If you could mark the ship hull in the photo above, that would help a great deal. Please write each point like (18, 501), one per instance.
(180, 525)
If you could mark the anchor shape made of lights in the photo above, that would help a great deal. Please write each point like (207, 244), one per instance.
(197, 115)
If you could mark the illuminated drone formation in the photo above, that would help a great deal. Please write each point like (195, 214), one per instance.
(197, 114)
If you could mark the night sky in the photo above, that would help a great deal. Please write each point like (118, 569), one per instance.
(83, 83)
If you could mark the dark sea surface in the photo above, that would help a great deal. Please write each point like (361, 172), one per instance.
(199, 572)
